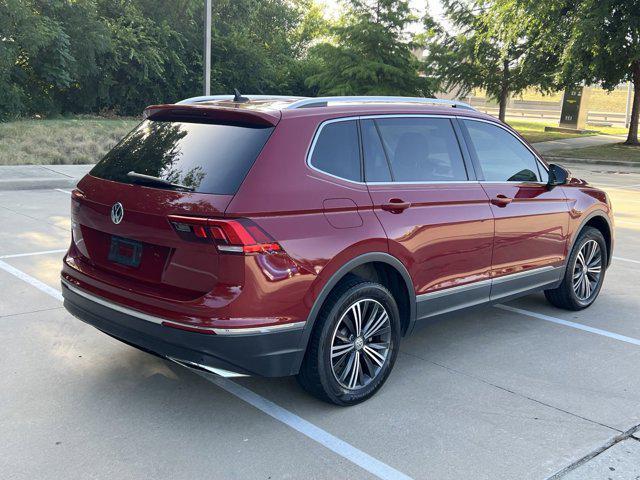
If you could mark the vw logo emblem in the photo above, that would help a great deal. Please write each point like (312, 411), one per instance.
(117, 212)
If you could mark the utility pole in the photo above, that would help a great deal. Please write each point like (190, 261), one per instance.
(207, 48)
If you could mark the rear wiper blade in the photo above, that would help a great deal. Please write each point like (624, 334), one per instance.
(142, 178)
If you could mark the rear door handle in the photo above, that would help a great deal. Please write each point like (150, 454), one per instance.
(501, 200)
(395, 205)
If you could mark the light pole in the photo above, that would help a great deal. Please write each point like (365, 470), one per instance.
(207, 48)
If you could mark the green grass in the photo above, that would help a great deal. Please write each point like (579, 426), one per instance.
(85, 139)
(60, 141)
(616, 151)
(534, 131)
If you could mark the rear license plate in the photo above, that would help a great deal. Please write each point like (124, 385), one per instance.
(125, 252)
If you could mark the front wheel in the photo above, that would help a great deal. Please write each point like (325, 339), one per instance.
(354, 344)
(584, 274)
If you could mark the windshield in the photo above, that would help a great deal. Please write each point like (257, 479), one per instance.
(210, 158)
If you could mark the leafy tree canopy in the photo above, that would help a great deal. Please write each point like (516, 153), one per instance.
(598, 41)
(483, 45)
(369, 53)
(60, 56)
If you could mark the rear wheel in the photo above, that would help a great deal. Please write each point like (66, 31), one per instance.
(354, 343)
(584, 274)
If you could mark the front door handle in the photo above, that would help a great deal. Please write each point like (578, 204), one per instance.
(501, 200)
(395, 205)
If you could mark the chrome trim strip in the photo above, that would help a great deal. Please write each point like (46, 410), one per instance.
(483, 283)
(418, 115)
(405, 115)
(282, 327)
(526, 273)
(112, 306)
(517, 182)
(452, 290)
(311, 102)
(313, 146)
(159, 320)
(218, 371)
(444, 182)
(367, 117)
(226, 98)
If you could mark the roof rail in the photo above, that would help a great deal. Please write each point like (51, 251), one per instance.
(324, 101)
(213, 98)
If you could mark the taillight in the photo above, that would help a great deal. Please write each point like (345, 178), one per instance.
(76, 197)
(238, 235)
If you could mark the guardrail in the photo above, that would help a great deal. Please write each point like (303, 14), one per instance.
(613, 118)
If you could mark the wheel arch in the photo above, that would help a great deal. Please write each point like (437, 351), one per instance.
(363, 265)
(600, 221)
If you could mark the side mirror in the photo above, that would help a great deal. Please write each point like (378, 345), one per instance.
(557, 175)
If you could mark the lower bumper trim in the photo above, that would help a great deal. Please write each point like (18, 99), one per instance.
(271, 354)
(159, 320)
(218, 371)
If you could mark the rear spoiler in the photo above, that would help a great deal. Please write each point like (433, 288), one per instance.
(207, 112)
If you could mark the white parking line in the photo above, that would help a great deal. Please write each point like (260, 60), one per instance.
(31, 280)
(626, 259)
(333, 443)
(612, 185)
(46, 252)
(315, 433)
(566, 323)
(63, 191)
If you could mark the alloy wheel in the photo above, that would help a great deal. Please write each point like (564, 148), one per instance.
(587, 270)
(360, 344)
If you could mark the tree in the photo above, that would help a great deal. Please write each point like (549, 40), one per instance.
(599, 41)
(62, 56)
(485, 46)
(258, 44)
(46, 47)
(368, 53)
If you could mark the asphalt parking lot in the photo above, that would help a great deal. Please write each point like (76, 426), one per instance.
(524, 391)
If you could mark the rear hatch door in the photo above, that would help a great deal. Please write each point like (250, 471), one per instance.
(120, 222)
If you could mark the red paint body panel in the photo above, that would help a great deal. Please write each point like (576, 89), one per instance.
(584, 202)
(444, 239)
(532, 230)
(293, 203)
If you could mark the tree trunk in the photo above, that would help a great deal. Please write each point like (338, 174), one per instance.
(504, 90)
(504, 99)
(632, 138)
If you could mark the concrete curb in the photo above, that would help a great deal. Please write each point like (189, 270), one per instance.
(592, 161)
(30, 177)
(33, 177)
(37, 183)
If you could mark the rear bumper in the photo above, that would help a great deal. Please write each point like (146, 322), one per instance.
(269, 354)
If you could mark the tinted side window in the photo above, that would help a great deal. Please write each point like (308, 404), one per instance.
(337, 150)
(376, 166)
(502, 157)
(421, 149)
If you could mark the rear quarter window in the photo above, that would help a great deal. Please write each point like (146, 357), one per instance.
(337, 151)
(211, 158)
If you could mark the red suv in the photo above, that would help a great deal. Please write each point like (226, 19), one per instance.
(306, 236)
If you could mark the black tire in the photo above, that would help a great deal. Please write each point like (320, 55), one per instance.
(565, 296)
(318, 373)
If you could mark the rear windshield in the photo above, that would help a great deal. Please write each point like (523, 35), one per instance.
(211, 158)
